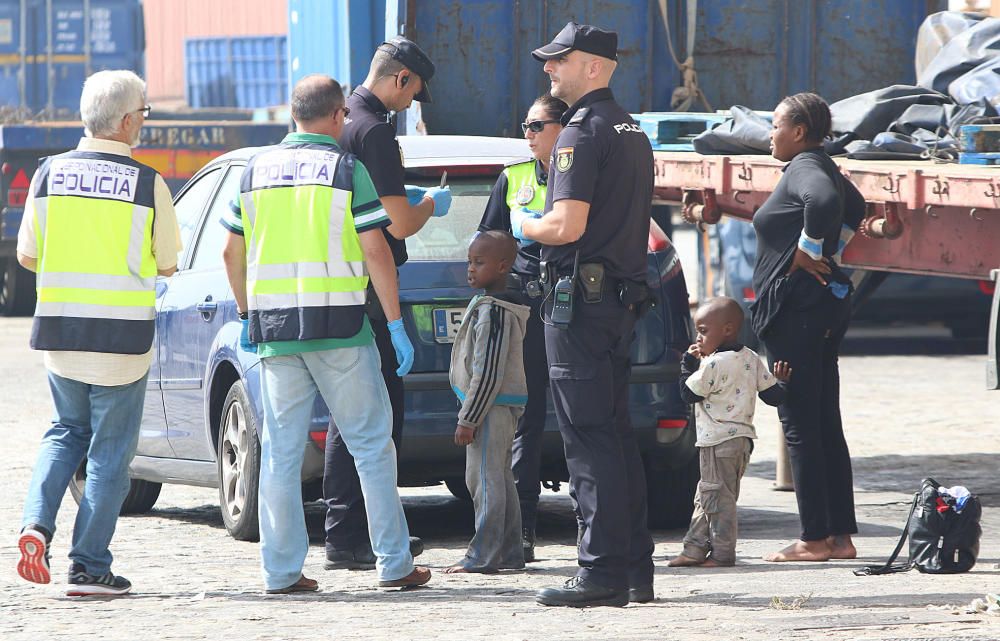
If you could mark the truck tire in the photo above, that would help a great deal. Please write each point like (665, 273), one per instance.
(140, 499)
(238, 460)
(17, 289)
(671, 484)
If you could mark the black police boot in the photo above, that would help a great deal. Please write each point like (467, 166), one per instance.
(528, 543)
(641, 594)
(362, 557)
(578, 592)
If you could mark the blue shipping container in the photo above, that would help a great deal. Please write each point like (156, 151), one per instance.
(45, 55)
(245, 72)
(749, 53)
(337, 38)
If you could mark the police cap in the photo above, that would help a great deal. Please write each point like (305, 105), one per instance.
(580, 37)
(413, 58)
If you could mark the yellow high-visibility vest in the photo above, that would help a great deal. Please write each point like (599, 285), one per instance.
(96, 270)
(306, 276)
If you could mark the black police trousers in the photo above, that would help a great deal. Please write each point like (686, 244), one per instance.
(808, 338)
(527, 450)
(346, 519)
(589, 375)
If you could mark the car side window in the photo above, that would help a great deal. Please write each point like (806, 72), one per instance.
(208, 254)
(190, 204)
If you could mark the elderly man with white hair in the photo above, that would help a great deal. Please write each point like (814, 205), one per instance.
(97, 229)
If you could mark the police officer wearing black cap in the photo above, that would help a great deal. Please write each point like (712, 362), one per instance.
(398, 75)
(593, 234)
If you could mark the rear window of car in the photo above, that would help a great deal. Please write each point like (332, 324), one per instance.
(447, 238)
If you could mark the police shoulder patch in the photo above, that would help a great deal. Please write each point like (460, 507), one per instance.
(564, 158)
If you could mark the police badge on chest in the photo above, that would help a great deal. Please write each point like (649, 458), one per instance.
(525, 194)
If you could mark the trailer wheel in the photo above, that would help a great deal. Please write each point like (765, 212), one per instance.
(17, 289)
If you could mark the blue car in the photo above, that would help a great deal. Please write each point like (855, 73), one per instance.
(203, 409)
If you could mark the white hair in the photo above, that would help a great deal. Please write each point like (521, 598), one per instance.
(107, 97)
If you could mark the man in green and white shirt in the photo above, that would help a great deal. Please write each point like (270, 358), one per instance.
(303, 240)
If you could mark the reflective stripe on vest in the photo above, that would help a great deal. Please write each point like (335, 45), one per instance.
(522, 185)
(306, 276)
(96, 270)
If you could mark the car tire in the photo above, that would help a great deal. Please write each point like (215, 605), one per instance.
(17, 289)
(140, 499)
(458, 488)
(238, 460)
(671, 484)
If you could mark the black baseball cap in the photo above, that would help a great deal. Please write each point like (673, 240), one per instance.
(413, 58)
(580, 37)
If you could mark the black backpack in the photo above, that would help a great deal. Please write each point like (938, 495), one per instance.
(942, 541)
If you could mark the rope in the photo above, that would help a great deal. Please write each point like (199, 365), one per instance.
(684, 96)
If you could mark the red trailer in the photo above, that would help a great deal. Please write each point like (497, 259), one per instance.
(923, 217)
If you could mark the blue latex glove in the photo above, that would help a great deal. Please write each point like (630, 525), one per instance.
(414, 194)
(245, 343)
(442, 199)
(401, 343)
(517, 218)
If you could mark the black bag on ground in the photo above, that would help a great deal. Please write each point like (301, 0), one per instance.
(942, 541)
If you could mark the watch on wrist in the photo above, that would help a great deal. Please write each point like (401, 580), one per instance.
(244, 315)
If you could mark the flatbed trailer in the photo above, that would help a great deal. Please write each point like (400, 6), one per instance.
(923, 217)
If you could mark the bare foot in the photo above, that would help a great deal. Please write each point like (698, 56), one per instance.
(802, 551)
(841, 547)
(681, 561)
(458, 568)
(711, 563)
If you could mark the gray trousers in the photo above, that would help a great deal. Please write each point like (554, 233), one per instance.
(713, 524)
(488, 475)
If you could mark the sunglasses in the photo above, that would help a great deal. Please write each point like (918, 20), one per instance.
(346, 110)
(536, 125)
(145, 111)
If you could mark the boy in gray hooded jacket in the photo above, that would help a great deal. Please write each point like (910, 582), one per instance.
(487, 375)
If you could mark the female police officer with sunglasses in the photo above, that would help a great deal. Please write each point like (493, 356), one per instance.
(522, 185)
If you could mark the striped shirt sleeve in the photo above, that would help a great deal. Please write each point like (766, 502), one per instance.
(365, 205)
(232, 218)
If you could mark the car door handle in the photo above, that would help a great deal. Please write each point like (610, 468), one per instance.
(208, 307)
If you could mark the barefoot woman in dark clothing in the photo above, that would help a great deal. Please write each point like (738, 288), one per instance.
(801, 314)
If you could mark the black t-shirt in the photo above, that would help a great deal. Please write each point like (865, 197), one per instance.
(602, 157)
(369, 136)
(497, 216)
(813, 196)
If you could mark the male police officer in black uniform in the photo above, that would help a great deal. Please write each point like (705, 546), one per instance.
(398, 75)
(594, 233)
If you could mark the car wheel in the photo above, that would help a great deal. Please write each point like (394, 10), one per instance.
(140, 499)
(671, 484)
(17, 289)
(458, 488)
(239, 465)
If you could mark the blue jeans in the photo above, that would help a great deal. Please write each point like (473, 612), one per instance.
(350, 381)
(102, 424)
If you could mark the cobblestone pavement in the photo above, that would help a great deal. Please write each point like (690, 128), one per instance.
(907, 417)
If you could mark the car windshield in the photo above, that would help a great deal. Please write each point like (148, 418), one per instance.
(448, 237)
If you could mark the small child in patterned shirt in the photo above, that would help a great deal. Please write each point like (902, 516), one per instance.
(721, 378)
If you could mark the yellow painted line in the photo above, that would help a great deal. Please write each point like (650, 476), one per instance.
(15, 58)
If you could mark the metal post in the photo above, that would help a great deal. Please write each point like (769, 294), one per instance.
(783, 469)
(50, 105)
(86, 39)
(22, 78)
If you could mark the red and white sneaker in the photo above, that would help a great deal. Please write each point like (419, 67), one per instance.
(34, 563)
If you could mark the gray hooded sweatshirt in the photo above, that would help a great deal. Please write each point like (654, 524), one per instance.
(487, 362)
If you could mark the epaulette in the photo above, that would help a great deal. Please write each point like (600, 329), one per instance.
(579, 116)
(518, 162)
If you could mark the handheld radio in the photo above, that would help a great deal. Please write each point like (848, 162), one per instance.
(562, 297)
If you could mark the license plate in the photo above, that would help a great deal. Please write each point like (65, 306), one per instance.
(447, 320)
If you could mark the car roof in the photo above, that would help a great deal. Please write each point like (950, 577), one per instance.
(437, 151)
